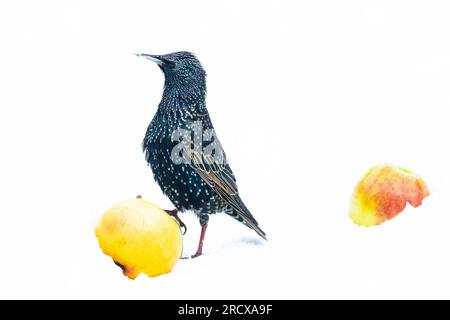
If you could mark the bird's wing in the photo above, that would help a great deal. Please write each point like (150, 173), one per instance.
(221, 179)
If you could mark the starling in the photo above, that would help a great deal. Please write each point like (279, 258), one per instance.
(183, 150)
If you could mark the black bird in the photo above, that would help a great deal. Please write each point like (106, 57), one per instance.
(193, 177)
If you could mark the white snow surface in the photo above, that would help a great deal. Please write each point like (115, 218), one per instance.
(305, 96)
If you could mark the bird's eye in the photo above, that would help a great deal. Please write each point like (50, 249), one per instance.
(169, 64)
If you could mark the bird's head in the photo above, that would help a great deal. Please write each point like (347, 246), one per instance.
(182, 70)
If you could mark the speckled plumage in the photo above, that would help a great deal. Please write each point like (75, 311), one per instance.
(203, 188)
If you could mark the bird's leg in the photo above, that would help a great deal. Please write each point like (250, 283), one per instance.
(174, 213)
(204, 223)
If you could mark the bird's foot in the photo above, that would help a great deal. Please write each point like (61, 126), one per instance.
(204, 223)
(192, 257)
(198, 254)
(174, 213)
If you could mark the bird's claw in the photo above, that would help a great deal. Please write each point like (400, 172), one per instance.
(192, 257)
(174, 214)
(183, 227)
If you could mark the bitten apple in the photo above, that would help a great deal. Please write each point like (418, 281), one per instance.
(383, 193)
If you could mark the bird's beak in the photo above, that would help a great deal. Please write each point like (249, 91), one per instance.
(154, 58)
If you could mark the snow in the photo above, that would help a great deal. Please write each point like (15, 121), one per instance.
(305, 98)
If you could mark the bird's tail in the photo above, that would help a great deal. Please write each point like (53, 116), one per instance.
(243, 215)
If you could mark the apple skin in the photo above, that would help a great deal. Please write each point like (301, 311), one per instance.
(140, 237)
(384, 192)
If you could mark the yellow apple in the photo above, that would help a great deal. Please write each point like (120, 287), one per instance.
(140, 237)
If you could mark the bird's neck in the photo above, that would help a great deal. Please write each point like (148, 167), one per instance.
(185, 99)
(185, 89)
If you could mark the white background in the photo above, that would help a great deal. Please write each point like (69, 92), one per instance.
(305, 96)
